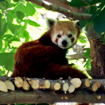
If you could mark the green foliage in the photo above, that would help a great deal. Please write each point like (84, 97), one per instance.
(84, 42)
(83, 39)
(99, 23)
(97, 9)
(14, 20)
(87, 53)
(88, 59)
(77, 3)
(7, 60)
(88, 63)
(80, 3)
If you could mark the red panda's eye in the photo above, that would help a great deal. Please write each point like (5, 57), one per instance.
(58, 35)
(70, 35)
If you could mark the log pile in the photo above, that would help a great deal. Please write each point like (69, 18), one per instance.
(67, 86)
(35, 90)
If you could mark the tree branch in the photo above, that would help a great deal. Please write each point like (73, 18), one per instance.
(75, 56)
(85, 90)
(64, 4)
(66, 12)
(42, 96)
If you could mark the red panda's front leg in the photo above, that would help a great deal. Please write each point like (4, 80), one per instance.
(55, 71)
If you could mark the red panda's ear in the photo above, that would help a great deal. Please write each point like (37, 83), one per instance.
(76, 22)
(50, 22)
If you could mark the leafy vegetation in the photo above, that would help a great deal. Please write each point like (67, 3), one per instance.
(16, 19)
(97, 9)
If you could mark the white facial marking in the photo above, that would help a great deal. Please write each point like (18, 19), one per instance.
(54, 36)
(60, 32)
(68, 32)
(67, 42)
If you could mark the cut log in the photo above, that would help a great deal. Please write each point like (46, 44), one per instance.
(71, 88)
(44, 84)
(64, 87)
(98, 84)
(55, 86)
(18, 82)
(3, 87)
(25, 85)
(76, 82)
(9, 85)
(34, 84)
(94, 86)
(85, 83)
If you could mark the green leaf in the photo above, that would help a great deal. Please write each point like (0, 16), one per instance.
(20, 7)
(6, 36)
(9, 38)
(88, 63)
(77, 3)
(96, 14)
(10, 17)
(4, 28)
(0, 24)
(92, 19)
(26, 35)
(91, 10)
(99, 24)
(2, 72)
(16, 29)
(0, 43)
(20, 15)
(91, 2)
(1, 0)
(82, 39)
(29, 10)
(3, 5)
(87, 53)
(83, 23)
(6, 60)
(15, 0)
(33, 23)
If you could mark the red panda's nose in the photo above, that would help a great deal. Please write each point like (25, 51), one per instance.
(64, 43)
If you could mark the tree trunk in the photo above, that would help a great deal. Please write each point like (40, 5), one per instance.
(97, 49)
(98, 58)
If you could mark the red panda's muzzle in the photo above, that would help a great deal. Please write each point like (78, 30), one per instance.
(64, 43)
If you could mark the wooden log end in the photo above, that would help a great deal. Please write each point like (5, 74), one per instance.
(71, 89)
(76, 82)
(18, 82)
(3, 87)
(34, 84)
(57, 86)
(9, 85)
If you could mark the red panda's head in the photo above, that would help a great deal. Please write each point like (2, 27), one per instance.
(64, 33)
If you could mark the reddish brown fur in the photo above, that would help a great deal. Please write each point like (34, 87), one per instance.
(41, 58)
(66, 26)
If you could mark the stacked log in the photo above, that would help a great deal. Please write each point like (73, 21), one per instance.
(69, 85)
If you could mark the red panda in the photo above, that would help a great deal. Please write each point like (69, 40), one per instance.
(46, 56)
